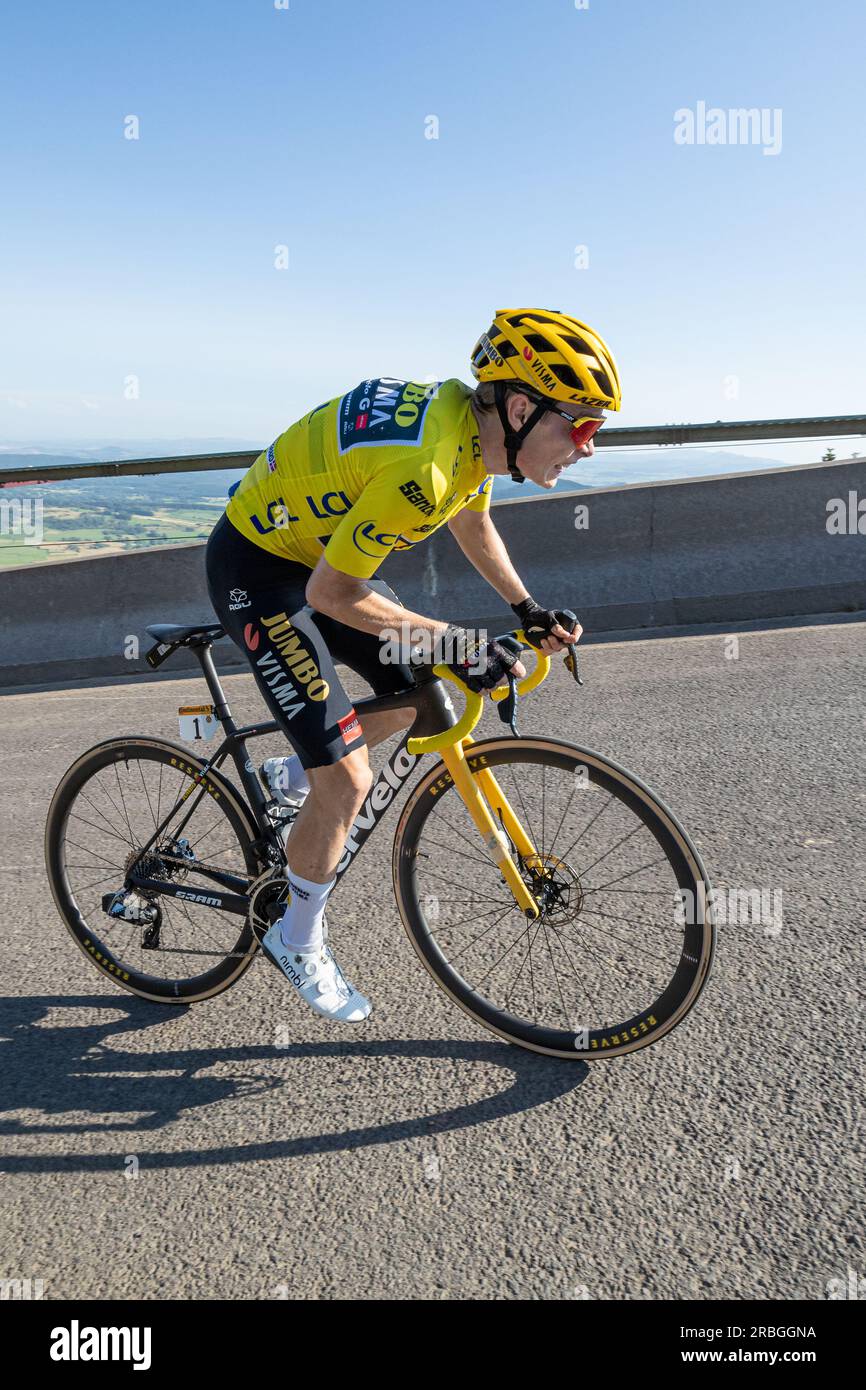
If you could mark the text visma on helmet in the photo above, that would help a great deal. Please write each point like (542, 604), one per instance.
(560, 360)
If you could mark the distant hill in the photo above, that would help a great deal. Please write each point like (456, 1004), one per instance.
(608, 467)
(615, 467)
(62, 451)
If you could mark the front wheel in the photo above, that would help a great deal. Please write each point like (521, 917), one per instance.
(624, 940)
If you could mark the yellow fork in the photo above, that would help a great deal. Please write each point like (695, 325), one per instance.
(454, 744)
(454, 759)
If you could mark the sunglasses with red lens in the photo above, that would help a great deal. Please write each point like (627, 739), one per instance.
(582, 432)
(583, 427)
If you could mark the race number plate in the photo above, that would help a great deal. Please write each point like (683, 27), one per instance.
(197, 722)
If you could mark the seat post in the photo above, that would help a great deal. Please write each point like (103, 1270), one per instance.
(203, 651)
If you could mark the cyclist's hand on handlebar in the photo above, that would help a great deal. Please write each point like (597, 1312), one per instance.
(549, 629)
(488, 665)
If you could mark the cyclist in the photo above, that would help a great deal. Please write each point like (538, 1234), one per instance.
(291, 566)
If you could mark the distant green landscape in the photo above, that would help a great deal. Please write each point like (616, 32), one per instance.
(101, 516)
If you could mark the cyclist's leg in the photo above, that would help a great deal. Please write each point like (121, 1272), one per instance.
(260, 600)
(314, 852)
(257, 600)
(366, 655)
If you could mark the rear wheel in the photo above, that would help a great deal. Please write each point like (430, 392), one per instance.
(624, 941)
(106, 808)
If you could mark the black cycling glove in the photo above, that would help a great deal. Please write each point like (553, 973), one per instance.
(485, 664)
(538, 622)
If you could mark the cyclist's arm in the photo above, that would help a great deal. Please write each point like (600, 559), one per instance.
(350, 600)
(364, 538)
(484, 548)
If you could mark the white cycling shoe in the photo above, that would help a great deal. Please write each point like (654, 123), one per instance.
(287, 800)
(317, 978)
(272, 775)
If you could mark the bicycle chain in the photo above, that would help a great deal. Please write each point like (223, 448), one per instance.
(183, 863)
(253, 883)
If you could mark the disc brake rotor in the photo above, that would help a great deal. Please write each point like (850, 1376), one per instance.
(556, 887)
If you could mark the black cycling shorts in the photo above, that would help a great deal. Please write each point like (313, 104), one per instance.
(260, 599)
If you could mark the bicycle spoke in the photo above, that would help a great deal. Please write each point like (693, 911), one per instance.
(555, 974)
(577, 976)
(86, 887)
(462, 853)
(520, 968)
(562, 819)
(594, 821)
(588, 868)
(122, 802)
(113, 833)
(603, 887)
(106, 825)
(634, 945)
(96, 811)
(589, 951)
(85, 849)
(197, 926)
(527, 825)
(457, 884)
(488, 928)
(501, 958)
(159, 795)
(641, 892)
(147, 796)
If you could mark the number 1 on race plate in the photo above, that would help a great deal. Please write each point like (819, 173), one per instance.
(196, 722)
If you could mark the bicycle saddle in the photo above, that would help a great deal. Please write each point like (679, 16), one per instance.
(182, 632)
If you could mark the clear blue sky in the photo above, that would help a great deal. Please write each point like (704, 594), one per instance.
(306, 127)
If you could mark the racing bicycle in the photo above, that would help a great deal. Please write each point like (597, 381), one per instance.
(547, 890)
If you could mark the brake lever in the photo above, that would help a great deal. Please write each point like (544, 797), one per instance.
(508, 707)
(572, 664)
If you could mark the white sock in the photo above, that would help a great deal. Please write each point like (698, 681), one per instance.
(302, 923)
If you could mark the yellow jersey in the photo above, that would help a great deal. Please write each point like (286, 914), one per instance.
(375, 470)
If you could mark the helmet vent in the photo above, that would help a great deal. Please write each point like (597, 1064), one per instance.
(565, 375)
(539, 342)
(602, 379)
(580, 344)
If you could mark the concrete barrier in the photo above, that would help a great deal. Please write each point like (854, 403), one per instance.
(720, 549)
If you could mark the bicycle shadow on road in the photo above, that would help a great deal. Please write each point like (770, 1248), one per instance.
(67, 1070)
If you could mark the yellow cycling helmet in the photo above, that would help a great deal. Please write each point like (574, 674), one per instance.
(556, 357)
(559, 356)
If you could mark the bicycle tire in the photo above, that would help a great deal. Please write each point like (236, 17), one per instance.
(631, 1034)
(191, 989)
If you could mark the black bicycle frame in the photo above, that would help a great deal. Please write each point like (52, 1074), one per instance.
(434, 713)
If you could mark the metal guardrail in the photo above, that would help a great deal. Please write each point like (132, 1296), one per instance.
(718, 431)
(125, 468)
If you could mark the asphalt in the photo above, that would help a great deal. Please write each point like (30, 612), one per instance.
(244, 1148)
